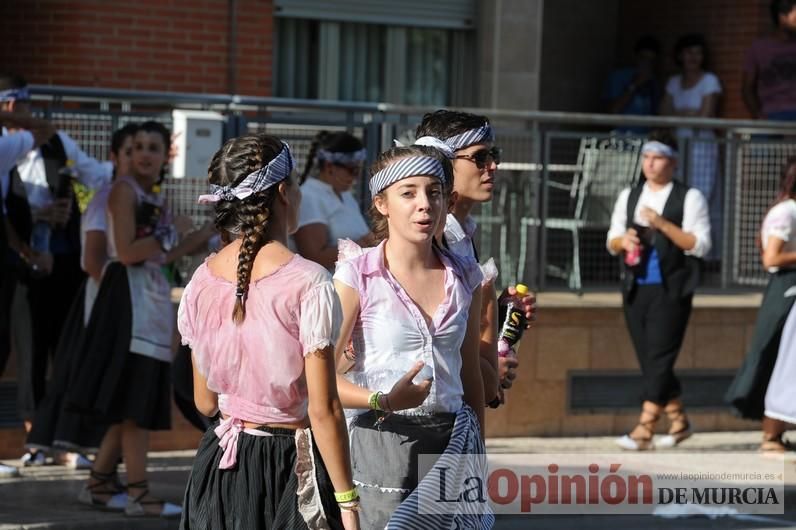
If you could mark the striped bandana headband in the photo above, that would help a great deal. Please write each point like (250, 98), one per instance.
(658, 148)
(481, 135)
(341, 157)
(272, 173)
(22, 94)
(410, 166)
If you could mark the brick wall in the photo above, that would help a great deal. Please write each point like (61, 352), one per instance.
(729, 26)
(168, 45)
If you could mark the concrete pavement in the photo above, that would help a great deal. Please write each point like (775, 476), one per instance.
(44, 497)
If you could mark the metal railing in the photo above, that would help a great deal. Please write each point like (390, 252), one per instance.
(561, 172)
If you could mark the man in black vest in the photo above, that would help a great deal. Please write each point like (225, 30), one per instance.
(43, 176)
(661, 229)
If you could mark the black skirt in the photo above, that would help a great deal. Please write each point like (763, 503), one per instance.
(54, 425)
(747, 392)
(110, 383)
(260, 492)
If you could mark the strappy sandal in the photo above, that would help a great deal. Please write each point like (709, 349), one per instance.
(135, 505)
(674, 438)
(645, 443)
(106, 485)
(774, 445)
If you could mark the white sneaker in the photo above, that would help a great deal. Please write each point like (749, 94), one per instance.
(628, 443)
(117, 502)
(33, 459)
(8, 471)
(136, 509)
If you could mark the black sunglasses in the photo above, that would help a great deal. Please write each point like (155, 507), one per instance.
(482, 157)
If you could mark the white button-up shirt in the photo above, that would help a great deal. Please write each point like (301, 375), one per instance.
(696, 219)
(391, 334)
(12, 148)
(91, 172)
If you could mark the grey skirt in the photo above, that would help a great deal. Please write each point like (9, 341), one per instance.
(385, 458)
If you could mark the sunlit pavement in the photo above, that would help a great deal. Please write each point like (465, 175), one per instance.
(44, 497)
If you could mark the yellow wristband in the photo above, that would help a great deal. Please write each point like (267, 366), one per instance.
(373, 401)
(346, 496)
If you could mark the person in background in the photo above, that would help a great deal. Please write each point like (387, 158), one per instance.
(329, 211)
(635, 91)
(768, 85)
(31, 133)
(695, 92)
(661, 230)
(763, 386)
(55, 427)
(122, 372)
(46, 175)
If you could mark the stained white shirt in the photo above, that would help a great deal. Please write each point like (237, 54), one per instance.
(95, 219)
(696, 218)
(780, 222)
(391, 334)
(341, 214)
(12, 148)
(90, 172)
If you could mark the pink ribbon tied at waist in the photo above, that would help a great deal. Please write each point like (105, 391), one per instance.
(228, 431)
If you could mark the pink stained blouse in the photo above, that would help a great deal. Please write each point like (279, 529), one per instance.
(257, 367)
(390, 333)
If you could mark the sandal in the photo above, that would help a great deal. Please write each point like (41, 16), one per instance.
(106, 493)
(641, 443)
(135, 505)
(675, 437)
(774, 445)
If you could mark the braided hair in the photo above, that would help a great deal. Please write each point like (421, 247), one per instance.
(246, 218)
(336, 142)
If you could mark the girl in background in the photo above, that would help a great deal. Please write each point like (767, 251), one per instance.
(329, 211)
(122, 374)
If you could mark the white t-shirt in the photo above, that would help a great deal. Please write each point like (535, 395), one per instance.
(341, 215)
(780, 222)
(691, 98)
(94, 218)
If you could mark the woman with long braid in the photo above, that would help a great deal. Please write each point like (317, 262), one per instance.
(262, 323)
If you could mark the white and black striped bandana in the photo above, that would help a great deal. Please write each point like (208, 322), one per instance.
(342, 157)
(261, 179)
(410, 166)
(481, 135)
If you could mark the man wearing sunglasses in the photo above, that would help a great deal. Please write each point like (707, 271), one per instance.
(475, 162)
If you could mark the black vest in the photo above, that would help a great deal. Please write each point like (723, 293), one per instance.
(680, 273)
(19, 212)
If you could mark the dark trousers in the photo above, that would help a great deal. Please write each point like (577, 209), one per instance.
(8, 284)
(50, 298)
(657, 326)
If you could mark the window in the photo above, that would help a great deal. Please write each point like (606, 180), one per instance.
(354, 61)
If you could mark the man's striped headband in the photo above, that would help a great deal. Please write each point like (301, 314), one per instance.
(481, 135)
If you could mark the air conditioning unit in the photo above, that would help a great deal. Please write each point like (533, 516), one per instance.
(198, 134)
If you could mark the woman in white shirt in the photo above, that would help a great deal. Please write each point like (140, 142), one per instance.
(763, 387)
(329, 212)
(695, 93)
(413, 385)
